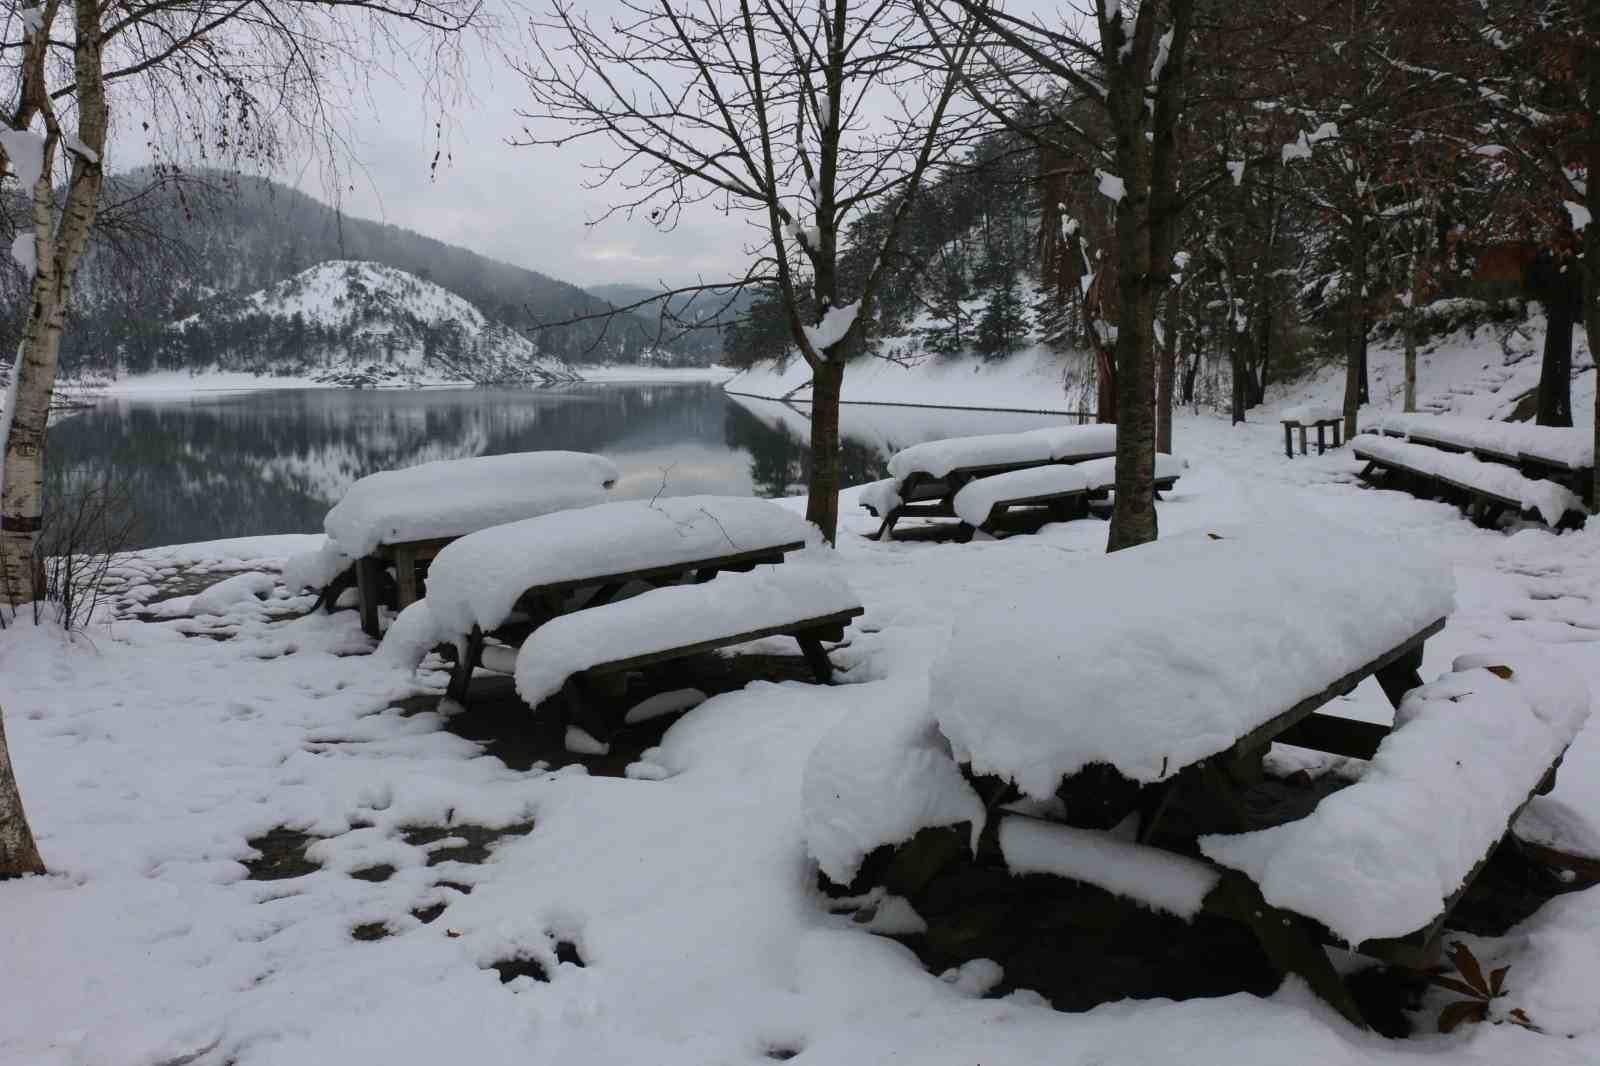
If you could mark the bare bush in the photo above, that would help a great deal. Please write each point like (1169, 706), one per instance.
(82, 533)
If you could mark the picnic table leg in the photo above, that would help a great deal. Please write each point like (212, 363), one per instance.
(886, 530)
(461, 673)
(1286, 940)
(1302, 440)
(1288, 440)
(584, 710)
(405, 572)
(1338, 434)
(816, 658)
(1321, 447)
(368, 581)
(329, 598)
(1401, 676)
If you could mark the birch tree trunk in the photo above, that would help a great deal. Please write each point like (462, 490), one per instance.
(58, 250)
(19, 855)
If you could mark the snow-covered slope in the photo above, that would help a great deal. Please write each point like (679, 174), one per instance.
(362, 323)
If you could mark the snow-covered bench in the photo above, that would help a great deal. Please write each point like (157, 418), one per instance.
(1102, 473)
(565, 654)
(1310, 415)
(403, 518)
(1062, 490)
(489, 591)
(1484, 490)
(925, 478)
(1559, 454)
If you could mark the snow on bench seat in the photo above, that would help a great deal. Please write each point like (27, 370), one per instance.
(1160, 880)
(1381, 857)
(1102, 473)
(1309, 414)
(477, 580)
(1155, 657)
(936, 458)
(1549, 499)
(1553, 445)
(456, 496)
(977, 499)
(674, 617)
(880, 497)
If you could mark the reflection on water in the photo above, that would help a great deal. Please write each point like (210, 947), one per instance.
(226, 465)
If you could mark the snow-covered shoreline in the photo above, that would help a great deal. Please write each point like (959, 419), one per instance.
(1030, 382)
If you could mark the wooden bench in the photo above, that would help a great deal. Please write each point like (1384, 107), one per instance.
(927, 477)
(1562, 455)
(1322, 425)
(571, 654)
(544, 603)
(1485, 491)
(1063, 491)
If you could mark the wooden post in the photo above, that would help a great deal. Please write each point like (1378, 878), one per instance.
(368, 582)
(405, 572)
(1321, 447)
(1302, 428)
(1288, 439)
(816, 658)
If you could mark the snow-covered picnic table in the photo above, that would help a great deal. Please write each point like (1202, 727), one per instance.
(925, 479)
(403, 518)
(1122, 756)
(500, 588)
(1544, 455)
(1311, 415)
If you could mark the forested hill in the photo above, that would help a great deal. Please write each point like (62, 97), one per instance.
(167, 249)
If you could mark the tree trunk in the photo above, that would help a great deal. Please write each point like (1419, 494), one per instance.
(1411, 363)
(1133, 513)
(1239, 371)
(58, 248)
(1555, 374)
(1105, 382)
(822, 505)
(19, 855)
(1591, 233)
(1355, 383)
(1168, 370)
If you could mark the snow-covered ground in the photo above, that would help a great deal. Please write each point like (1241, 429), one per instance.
(148, 755)
(1030, 380)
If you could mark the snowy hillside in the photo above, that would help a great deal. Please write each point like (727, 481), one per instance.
(361, 323)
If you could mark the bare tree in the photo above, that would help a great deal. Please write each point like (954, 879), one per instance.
(1127, 62)
(798, 116)
(229, 77)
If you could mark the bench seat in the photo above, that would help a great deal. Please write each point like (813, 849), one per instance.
(1102, 473)
(805, 602)
(1063, 488)
(1385, 857)
(1496, 487)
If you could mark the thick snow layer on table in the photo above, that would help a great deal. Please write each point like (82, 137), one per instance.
(1378, 859)
(1158, 879)
(315, 569)
(477, 579)
(452, 497)
(882, 496)
(1548, 498)
(671, 617)
(977, 498)
(1155, 657)
(876, 781)
(1572, 448)
(1308, 413)
(1102, 473)
(938, 457)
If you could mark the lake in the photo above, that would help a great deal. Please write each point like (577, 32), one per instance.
(214, 465)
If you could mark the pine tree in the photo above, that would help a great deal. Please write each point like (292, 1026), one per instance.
(1004, 323)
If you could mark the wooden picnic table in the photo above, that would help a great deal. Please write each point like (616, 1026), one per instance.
(1290, 425)
(540, 603)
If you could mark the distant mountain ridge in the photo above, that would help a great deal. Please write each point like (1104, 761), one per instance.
(164, 250)
(361, 323)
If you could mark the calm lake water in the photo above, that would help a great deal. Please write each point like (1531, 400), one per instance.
(237, 464)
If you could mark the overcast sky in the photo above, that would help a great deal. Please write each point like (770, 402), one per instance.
(526, 206)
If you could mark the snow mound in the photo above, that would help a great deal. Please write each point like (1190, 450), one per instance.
(231, 591)
(478, 579)
(453, 497)
(937, 458)
(877, 780)
(1155, 657)
(1378, 859)
(672, 617)
(315, 569)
